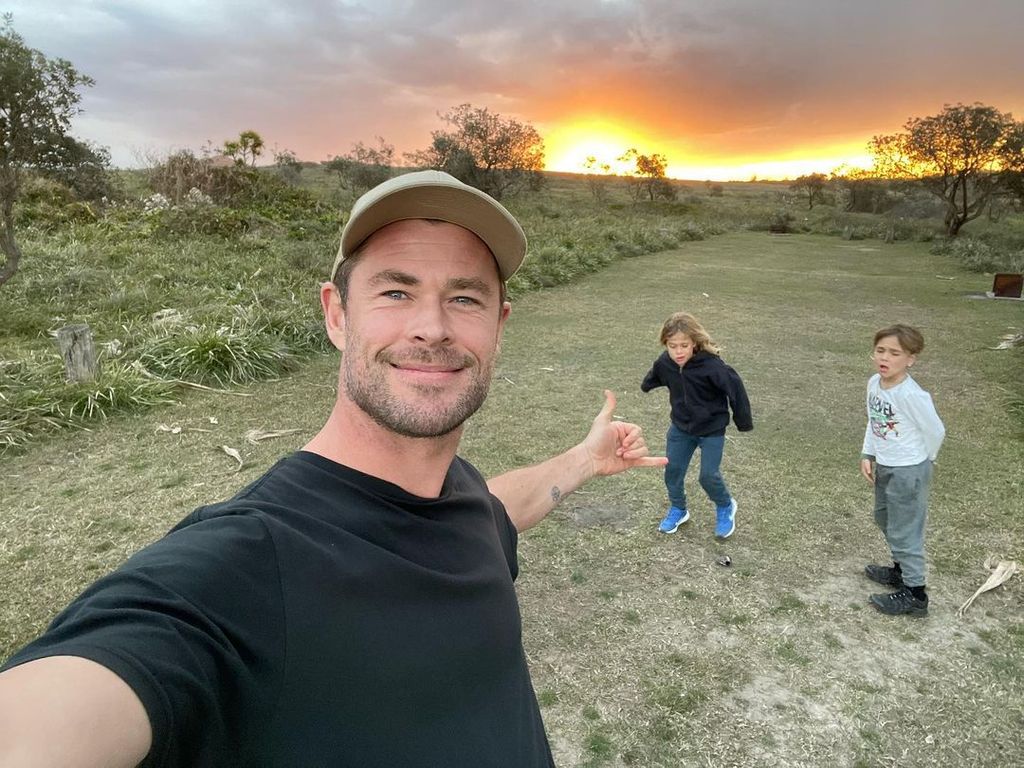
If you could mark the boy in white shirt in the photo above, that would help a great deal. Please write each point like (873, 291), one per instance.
(901, 441)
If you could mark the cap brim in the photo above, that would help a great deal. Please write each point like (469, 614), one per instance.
(442, 198)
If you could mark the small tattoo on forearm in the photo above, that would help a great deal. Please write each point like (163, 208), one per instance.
(556, 494)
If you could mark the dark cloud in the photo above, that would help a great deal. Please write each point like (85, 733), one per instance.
(733, 78)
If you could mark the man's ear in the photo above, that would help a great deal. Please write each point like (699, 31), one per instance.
(506, 309)
(334, 314)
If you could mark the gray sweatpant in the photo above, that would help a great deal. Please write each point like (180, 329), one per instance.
(901, 506)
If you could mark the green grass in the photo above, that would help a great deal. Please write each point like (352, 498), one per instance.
(774, 661)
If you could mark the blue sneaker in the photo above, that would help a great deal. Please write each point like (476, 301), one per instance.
(726, 523)
(673, 519)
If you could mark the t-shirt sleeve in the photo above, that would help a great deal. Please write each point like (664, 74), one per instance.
(867, 449)
(191, 624)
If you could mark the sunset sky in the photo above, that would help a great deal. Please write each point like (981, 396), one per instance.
(726, 90)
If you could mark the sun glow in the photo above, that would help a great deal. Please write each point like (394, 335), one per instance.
(779, 169)
(569, 146)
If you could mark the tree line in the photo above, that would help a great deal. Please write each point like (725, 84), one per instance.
(970, 157)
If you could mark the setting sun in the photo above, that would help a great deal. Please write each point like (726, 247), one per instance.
(569, 146)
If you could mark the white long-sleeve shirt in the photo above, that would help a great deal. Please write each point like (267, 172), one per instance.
(903, 426)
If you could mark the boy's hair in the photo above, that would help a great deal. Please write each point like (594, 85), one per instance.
(684, 322)
(910, 338)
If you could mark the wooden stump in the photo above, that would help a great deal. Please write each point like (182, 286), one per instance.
(76, 347)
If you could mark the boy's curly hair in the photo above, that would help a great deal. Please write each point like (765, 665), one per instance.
(684, 322)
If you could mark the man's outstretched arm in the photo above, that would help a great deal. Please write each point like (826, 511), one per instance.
(70, 712)
(609, 448)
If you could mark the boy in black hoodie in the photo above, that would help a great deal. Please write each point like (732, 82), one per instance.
(702, 389)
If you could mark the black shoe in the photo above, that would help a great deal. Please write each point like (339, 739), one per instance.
(901, 603)
(884, 574)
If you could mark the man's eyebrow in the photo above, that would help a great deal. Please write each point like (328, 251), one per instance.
(392, 276)
(397, 277)
(470, 284)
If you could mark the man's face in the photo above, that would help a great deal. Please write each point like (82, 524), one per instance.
(421, 327)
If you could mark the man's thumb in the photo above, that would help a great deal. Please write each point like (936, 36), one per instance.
(609, 406)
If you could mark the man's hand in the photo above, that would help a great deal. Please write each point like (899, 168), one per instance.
(868, 470)
(611, 446)
(615, 446)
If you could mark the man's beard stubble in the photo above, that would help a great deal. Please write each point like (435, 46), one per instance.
(368, 388)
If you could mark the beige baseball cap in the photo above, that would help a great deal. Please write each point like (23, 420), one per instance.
(439, 196)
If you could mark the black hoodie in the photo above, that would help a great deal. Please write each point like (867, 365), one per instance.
(701, 393)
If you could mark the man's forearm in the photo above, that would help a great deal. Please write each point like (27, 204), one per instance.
(530, 493)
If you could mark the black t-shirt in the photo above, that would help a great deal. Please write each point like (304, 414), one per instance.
(321, 617)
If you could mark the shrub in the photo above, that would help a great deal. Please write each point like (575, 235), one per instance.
(780, 222)
(180, 172)
(979, 256)
(242, 352)
(198, 220)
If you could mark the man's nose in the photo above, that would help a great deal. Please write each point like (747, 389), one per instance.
(430, 323)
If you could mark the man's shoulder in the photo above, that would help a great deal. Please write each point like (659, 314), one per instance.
(465, 469)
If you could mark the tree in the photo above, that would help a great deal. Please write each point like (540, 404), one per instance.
(812, 185)
(861, 191)
(964, 155)
(38, 98)
(597, 178)
(288, 165)
(245, 149)
(364, 167)
(82, 166)
(500, 156)
(648, 176)
(1013, 158)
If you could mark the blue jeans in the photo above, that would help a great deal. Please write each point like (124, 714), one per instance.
(680, 447)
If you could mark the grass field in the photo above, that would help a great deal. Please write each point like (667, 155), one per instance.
(645, 651)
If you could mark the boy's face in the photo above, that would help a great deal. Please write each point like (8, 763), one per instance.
(891, 360)
(680, 347)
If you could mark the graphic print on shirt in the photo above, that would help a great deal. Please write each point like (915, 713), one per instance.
(882, 417)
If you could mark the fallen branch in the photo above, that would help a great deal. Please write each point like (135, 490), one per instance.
(1002, 573)
(254, 436)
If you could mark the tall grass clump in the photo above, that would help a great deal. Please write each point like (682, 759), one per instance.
(244, 351)
(36, 399)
